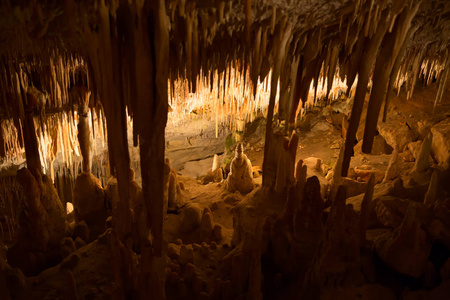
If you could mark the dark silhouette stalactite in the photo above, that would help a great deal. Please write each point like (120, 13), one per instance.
(368, 59)
(30, 140)
(390, 48)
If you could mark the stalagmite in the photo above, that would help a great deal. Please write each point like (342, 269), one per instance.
(83, 131)
(366, 209)
(240, 177)
(423, 160)
(41, 228)
(392, 169)
(88, 202)
(281, 178)
(430, 196)
(407, 243)
(255, 276)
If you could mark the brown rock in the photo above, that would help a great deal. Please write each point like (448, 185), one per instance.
(213, 245)
(197, 285)
(186, 254)
(206, 226)
(407, 244)
(81, 230)
(217, 232)
(204, 250)
(88, 202)
(441, 143)
(395, 134)
(393, 168)
(240, 272)
(67, 247)
(191, 217)
(366, 174)
(79, 243)
(42, 224)
(379, 146)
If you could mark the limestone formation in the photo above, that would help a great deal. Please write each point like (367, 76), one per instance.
(42, 225)
(191, 217)
(337, 260)
(175, 192)
(308, 224)
(366, 209)
(391, 210)
(12, 281)
(422, 161)
(397, 135)
(440, 145)
(240, 177)
(392, 169)
(430, 196)
(89, 203)
(206, 226)
(407, 243)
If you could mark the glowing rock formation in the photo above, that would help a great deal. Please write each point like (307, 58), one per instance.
(240, 177)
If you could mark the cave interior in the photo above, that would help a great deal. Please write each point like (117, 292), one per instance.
(225, 149)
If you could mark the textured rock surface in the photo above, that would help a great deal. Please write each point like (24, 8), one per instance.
(441, 142)
(406, 244)
(396, 135)
(240, 177)
(89, 203)
(42, 225)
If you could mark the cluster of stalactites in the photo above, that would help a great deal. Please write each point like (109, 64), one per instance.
(431, 63)
(53, 87)
(53, 75)
(229, 99)
(57, 138)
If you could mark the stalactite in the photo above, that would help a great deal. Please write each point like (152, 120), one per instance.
(283, 36)
(442, 83)
(363, 77)
(31, 144)
(396, 68)
(248, 21)
(391, 45)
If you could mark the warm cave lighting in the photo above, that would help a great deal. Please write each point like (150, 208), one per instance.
(230, 100)
(225, 149)
(69, 208)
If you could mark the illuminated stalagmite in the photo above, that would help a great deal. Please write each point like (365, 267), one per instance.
(240, 177)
